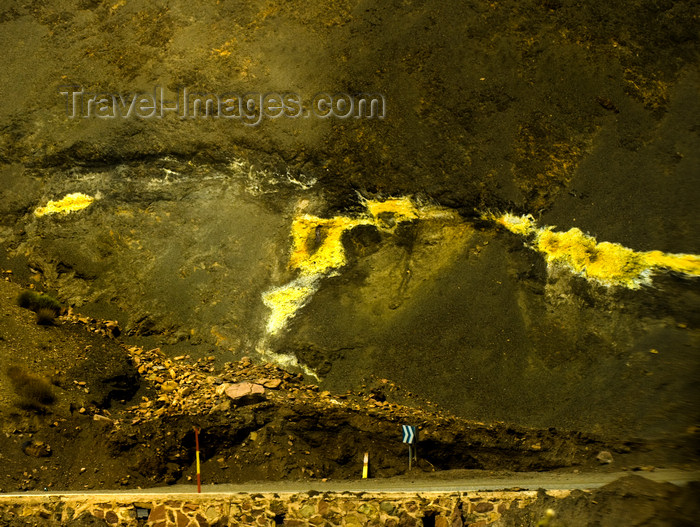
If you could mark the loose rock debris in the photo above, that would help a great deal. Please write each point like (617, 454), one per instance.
(257, 421)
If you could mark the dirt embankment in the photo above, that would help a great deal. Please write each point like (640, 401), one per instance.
(581, 114)
(106, 428)
(632, 501)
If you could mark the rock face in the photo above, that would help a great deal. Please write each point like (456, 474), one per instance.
(276, 238)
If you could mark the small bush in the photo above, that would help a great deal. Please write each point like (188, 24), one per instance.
(26, 299)
(45, 301)
(38, 301)
(34, 390)
(45, 316)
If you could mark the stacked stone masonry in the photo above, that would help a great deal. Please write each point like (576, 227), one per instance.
(473, 509)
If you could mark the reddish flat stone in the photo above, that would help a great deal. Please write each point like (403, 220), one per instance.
(244, 389)
(157, 514)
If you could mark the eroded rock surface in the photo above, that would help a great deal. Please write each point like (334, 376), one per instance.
(580, 115)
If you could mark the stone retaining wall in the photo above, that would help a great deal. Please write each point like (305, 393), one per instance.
(474, 509)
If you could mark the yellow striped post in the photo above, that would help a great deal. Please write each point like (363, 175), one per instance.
(199, 476)
(365, 467)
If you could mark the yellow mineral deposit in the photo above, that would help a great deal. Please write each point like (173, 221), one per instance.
(70, 203)
(285, 301)
(317, 250)
(401, 208)
(317, 247)
(606, 263)
(518, 224)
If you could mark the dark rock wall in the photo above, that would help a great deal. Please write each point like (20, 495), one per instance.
(582, 114)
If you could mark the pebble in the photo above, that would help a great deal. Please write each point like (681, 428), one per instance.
(605, 457)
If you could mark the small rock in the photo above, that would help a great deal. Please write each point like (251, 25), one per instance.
(169, 386)
(222, 407)
(273, 384)
(36, 449)
(112, 327)
(221, 388)
(605, 457)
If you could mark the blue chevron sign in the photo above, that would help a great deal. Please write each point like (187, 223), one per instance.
(409, 434)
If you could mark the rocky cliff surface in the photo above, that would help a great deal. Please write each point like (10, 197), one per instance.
(362, 249)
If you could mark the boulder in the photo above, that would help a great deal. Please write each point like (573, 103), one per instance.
(245, 393)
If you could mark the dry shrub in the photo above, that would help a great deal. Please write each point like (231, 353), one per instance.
(26, 299)
(45, 316)
(38, 301)
(34, 390)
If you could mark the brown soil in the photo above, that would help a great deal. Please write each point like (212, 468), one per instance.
(631, 501)
(124, 416)
(580, 113)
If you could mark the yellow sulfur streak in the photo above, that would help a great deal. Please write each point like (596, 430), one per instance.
(517, 224)
(681, 263)
(317, 250)
(402, 208)
(317, 247)
(606, 263)
(285, 301)
(70, 203)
